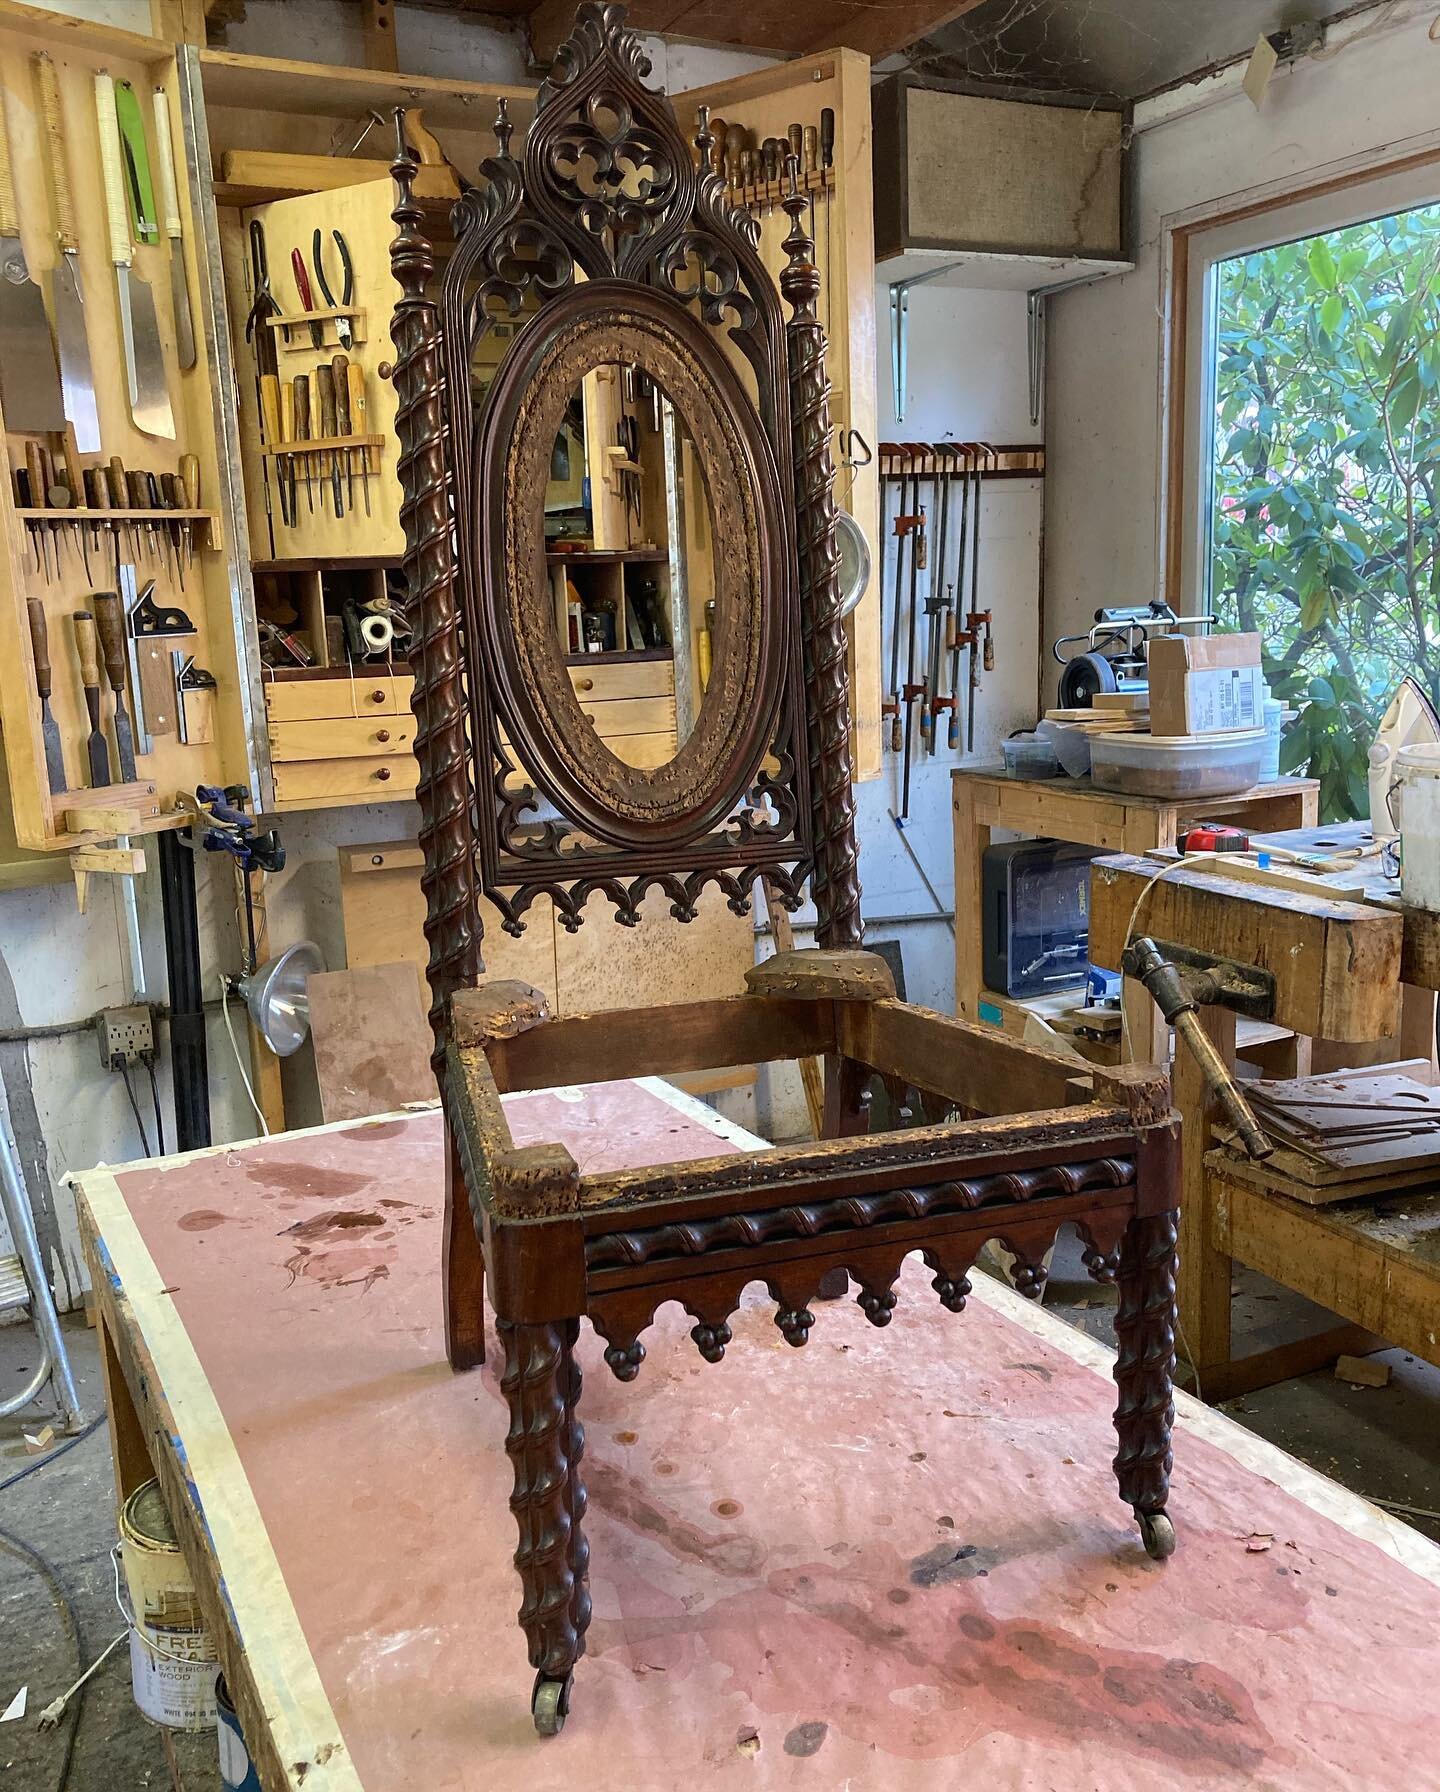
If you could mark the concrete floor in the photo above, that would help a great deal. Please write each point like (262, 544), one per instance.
(1377, 1441)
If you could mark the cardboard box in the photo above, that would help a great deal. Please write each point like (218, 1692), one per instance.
(1205, 684)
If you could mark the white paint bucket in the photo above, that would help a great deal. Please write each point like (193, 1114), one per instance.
(1417, 771)
(172, 1659)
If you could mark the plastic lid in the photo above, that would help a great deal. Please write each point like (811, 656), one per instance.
(1422, 758)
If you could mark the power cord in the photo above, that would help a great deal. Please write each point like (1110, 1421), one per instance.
(47, 1572)
(239, 1061)
(34, 1468)
(124, 1069)
(148, 1060)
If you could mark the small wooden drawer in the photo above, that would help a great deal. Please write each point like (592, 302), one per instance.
(366, 780)
(604, 681)
(637, 715)
(320, 699)
(347, 737)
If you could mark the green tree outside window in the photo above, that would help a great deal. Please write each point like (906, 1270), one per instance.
(1324, 524)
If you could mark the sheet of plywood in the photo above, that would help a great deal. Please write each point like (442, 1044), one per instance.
(914, 1573)
(372, 1040)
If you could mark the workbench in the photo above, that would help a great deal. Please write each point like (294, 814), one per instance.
(1358, 972)
(1073, 810)
(915, 1570)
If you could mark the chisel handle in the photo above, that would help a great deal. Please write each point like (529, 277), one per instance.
(340, 392)
(35, 467)
(173, 487)
(301, 389)
(285, 428)
(117, 484)
(827, 136)
(111, 627)
(138, 491)
(270, 408)
(190, 480)
(73, 479)
(115, 213)
(85, 648)
(39, 645)
(795, 137)
(355, 380)
(325, 392)
(97, 495)
(66, 234)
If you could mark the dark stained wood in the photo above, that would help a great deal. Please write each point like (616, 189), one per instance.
(794, 29)
(665, 268)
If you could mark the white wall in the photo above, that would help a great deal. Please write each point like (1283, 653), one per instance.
(1375, 89)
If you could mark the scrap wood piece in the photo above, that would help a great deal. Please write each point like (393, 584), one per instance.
(501, 1009)
(1362, 1371)
(815, 974)
(372, 1040)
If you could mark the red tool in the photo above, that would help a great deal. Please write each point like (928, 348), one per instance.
(1213, 837)
(307, 298)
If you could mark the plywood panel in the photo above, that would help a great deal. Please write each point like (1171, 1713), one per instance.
(371, 1038)
(662, 960)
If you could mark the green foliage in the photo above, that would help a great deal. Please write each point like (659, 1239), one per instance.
(1325, 535)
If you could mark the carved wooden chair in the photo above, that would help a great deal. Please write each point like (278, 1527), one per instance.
(1014, 1143)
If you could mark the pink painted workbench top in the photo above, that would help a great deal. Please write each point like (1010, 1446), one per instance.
(894, 1559)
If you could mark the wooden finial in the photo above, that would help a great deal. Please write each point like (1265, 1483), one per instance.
(703, 139)
(503, 129)
(800, 278)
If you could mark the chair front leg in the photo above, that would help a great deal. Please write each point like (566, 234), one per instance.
(1145, 1374)
(541, 1383)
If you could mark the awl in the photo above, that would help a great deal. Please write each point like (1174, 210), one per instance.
(139, 329)
(95, 747)
(29, 375)
(49, 727)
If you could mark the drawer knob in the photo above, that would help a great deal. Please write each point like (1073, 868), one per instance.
(377, 696)
(382, 734)
(383, 773)
(584, 684)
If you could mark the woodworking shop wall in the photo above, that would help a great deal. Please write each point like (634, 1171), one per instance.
(57, 968)
(1368, 97)
(967, 380)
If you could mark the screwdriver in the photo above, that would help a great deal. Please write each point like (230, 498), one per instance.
(355, 379)
(340, 378)
(285, 469)
(325, 388)
(302, 431)
(190, 489)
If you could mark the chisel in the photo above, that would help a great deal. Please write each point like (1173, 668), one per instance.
(49, 727)
(169, 198)
(29, 373)
(111, 626)
(355, 378)
(99, 753)
(325, 389)
(340, 376)
(190, 487)
(301, 388)
(285, 470)
(38, 476)
(68, 295)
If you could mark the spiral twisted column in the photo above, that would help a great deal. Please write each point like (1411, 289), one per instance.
(1145, 1363)
(836, 881)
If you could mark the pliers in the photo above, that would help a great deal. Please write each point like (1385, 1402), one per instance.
(344, 332)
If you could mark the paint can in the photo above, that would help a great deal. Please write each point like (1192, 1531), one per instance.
(237, 1770)
(172, 1658)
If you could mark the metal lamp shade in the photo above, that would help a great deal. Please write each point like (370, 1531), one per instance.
(275, 995)
(854, 560)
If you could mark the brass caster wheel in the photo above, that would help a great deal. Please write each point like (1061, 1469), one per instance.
(550, 1704)
(1157, 1534)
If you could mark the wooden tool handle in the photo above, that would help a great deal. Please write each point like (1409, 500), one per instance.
(270, 408)
(65, 231)
(115, 214)
(190, 480)
(165, 156)
(35, 467)
(340, 391)
(355, 380)
(137, 491)
(325, 391)
(173, 487)
(9, 216)
(72, 466)
(111, 626)
(301, 389)
(97, 495)
(810, 149)
(39, 644)
(85, 647)
(827, 136)
(286, 426)
(116, 484)
(795, 137)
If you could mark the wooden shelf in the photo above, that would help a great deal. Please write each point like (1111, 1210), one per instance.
(769, 193)
(81, 513)
(315, 445)
(286, 323)
(609, 556)
(624, 656)
(1004, 460)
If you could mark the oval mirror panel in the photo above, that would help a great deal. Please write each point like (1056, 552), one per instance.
(629, 566)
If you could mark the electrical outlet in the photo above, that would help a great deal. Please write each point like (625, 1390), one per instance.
(126, 1035)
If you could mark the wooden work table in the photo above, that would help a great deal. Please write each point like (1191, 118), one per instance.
(898, 1551)
(1358, 972)
(1072, 809)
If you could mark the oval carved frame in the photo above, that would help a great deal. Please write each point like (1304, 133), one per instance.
(596, 323)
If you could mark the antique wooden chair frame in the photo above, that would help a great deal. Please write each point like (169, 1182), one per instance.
(1014, 1143)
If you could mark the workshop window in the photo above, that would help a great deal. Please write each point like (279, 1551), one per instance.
(1323, 525)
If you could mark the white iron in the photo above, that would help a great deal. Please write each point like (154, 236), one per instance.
(1410, 721)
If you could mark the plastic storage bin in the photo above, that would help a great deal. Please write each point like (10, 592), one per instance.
(1177, 765)
(1027, 756)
